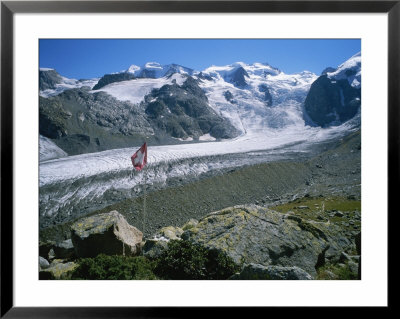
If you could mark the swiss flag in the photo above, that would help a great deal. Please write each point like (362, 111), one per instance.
(139, 159)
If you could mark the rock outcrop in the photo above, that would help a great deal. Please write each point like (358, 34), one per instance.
(79, 121)
(48, 79)
(58, 270)
(183, 111)
(260, 272)
(332, 102)
(107, 233)
(112, 78)
(253, 234)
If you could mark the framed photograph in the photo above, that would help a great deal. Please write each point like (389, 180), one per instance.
(160, 155)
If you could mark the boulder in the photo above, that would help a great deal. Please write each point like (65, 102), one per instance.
(190, 224)
(64, 249)
(260, 272)
(253, 234)
(153, 248)
(58, 270)
(170, 232)
(107, 233)
(43, 263)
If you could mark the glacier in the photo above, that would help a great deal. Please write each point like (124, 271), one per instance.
(75, 185)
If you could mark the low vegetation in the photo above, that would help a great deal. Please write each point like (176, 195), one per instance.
(105, 267)
(183, 260)
(336, 272)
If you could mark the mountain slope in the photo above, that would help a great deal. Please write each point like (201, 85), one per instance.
(81, 120)
(172, 104)
(335, 97)
(183, 112)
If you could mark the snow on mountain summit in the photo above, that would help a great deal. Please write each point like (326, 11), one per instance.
(155, 70)
(350, 70)
(256, 69)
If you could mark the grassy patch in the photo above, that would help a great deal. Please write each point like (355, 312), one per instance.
(335, 272)
(319, 204)
(312, 208)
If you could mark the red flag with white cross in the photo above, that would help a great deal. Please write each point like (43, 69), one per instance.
(139, 159)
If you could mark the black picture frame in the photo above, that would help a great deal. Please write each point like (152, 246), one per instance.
(9, 8)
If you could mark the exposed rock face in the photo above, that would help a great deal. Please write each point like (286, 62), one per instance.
(48, 79)
(111, 78)
(252, 234)
(237, 78)
(267, 97)
(183, 111)
(229, 97)
(331, 101)
(328, 70)
(260, 272)
(108, 234)
(79, 121)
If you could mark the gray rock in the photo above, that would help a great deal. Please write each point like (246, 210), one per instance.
(64, 249)
(190, 224)
(253, 234)
(153, 248)
(58, 270)
(107, 233)
(339, 214)
(48, 79)
(353, 266)
(51, 254)
(43, 263)
(260, 272)
(346, 258)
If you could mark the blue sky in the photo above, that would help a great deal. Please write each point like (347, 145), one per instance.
(88, 58)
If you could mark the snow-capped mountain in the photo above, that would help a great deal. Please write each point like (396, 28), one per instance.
(51, 83)
(155, 70)
(335, 97)
(349, 70)
(220, 102)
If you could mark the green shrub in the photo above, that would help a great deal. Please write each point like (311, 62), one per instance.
(184, 260)
(105, 267)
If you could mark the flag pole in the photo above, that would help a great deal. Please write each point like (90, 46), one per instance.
(144, 200)
(145, 192)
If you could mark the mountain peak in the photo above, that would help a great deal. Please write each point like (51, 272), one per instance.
(350, 70)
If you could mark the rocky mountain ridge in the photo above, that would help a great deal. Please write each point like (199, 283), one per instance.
(124, 108)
